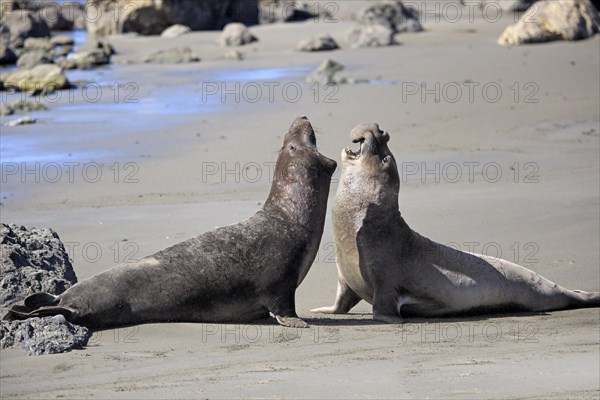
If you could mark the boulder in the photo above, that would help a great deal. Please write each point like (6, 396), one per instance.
(507, 5)
(52, 15)
(554, 20)
(85, 60)
(151, 17)
(326, 72)
(75, 13)
(271, 11)
(7, 56)
(23, 24)
(236, 34)
(32, 260)
(317, 43)
(370, 36)
(171, 56)
(44, 77)
(377, 24)
(42, 44)
(39, 336)
(233, 54)
(175, 31)
(30, 59)
(391, 14)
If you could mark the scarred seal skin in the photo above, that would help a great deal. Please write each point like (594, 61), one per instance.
(237, 273)
(401, 273)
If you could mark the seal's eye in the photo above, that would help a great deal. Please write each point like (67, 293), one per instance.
(386, 159)
(292, 147)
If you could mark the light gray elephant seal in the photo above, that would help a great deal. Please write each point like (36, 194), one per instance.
(238, 273)
(401, 273)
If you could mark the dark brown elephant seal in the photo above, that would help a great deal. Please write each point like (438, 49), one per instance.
(401, 273)
(238, 273)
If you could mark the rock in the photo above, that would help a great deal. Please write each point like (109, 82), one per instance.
(377, 24)
(39, 336)
(75, 13)
(62, 40)
(554, 20)
(38, 44)
(325, 73)
(236, 34)
(90, 54)
(151, 17)
(91, 44)
(391, 14)
(506, 5)
(171, 56)
(45, 78)
(175, 31)
(233, 54)
(85, 60)
(21, 121)
(271, 11)
(317, 43)
(23, 24)
(370, 36)
(7, 56)
(10, 108)
(33, 58)
(52, 15)
(32, 260)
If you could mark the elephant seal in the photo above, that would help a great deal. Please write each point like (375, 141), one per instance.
(237, 273)
(401, 273)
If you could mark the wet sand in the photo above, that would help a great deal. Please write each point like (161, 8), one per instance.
(514, 175)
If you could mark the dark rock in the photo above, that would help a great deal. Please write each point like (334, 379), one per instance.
(52, 15)
(153, 17)
(32, 260)
(39, 336)
(377, 24)
(23, 24)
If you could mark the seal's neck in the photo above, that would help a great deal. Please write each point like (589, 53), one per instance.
(302, 202)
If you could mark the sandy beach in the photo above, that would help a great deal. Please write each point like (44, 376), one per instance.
(498, 152)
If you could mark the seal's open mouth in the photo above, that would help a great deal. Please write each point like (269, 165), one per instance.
(355, 154)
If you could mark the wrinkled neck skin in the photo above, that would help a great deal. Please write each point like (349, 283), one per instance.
(299, 193)
(360, 190)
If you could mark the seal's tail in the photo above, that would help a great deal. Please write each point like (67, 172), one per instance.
(582, 299)
(37, 305)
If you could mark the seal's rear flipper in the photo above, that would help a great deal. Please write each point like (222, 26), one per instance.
(19, 312)
(39, 300)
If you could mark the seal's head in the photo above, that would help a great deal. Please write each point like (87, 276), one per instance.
(370, 174)
(302, 174)
(373, 157)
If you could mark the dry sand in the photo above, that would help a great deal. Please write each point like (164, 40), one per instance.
(171, 147)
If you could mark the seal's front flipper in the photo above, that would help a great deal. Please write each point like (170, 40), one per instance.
(387, 318)
(291, 322)
(283, 308)
(345, 299)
